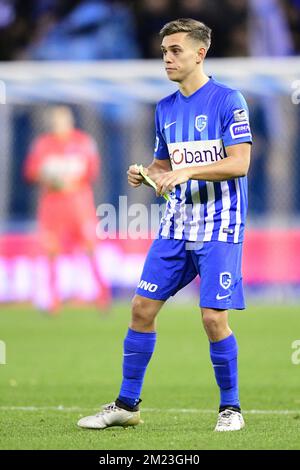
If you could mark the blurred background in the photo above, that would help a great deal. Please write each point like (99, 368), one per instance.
(102, 60)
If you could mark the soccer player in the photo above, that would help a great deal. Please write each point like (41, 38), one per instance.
(64, 163)
(202, 156)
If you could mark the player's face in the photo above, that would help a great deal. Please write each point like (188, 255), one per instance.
(61, 120)
(182, 56)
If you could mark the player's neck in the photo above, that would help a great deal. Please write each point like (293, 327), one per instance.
(192, 84)
(63, 135)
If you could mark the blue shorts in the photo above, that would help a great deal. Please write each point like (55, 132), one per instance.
(172, 264)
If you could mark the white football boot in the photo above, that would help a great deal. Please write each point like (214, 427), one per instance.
(229, 420)
(111, 415)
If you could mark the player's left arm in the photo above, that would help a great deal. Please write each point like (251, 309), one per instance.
(235, 165)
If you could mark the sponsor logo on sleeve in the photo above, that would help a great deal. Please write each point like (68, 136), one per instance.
(240, 115)
(240, 129)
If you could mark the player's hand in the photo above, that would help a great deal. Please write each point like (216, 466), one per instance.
(167, 181)
(55, 184)
(134, 178)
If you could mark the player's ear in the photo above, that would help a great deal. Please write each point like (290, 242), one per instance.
(201, 53)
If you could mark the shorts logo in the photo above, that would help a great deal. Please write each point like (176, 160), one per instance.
(148, 286)
(200, 122)
(156, 144)
(225, 280)
(221, 297)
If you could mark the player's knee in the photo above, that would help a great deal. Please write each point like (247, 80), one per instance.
(213, 320)
(142, 310)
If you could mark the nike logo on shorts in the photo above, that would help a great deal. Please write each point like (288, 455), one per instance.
(221, 297)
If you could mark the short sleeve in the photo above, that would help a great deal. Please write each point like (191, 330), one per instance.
(235, 120)
(161, 149)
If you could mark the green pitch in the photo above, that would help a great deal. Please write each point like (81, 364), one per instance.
(59, 369)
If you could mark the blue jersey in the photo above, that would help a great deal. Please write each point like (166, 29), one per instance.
(196, 130)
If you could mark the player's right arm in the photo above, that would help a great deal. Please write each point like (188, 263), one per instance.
(156, 168)
(35, 167)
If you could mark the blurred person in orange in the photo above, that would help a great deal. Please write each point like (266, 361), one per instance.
(64, 163)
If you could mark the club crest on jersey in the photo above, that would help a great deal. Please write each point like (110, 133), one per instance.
(225, 280)
(201, 122)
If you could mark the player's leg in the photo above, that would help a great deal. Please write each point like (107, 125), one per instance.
(221, 289)
(215, 323)
(104, 296)
(167, 269)
(51, 246)
(84, 229)
(224, 353)
(143, 313)
(53, 223)
(138, 348)
(55, 298)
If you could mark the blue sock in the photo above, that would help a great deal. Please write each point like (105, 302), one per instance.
(138, 349)
(224, 359)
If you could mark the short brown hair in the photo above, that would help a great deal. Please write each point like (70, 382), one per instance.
(195, 29)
